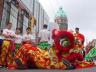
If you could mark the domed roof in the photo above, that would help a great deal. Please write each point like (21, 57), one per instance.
(60, 13)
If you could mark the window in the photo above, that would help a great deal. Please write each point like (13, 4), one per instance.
(6, 14)
(13, 16)
(25, 24)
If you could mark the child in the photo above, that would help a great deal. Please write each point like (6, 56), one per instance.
(7, 47)
(8, 33)
(18, 39)
(28, 37)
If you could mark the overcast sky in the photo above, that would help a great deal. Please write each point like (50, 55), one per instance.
(80, 13)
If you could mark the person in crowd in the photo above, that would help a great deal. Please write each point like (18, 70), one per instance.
(8, 33)
(1, 39)
(44, 37)
(29, 37)
(79, 40)
(91, 55)
(79, 37)
(18, 39)
(89, 46)
(7, 46)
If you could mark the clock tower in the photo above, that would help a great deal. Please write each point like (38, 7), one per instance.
(61, 19)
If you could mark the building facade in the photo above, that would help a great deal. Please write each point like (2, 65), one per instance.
(38, 13)
(1, 10)
(23, 13)
(61, 19)
(16, 12)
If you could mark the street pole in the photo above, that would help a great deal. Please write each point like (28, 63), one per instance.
(33, 7)
(38, 16)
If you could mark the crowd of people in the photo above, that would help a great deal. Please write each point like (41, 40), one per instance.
(11, 42)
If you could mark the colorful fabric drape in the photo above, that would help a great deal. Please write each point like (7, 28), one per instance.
(6, 53)
(44, 45)
(37, 58)
(30, 53)
(17, 47)
(91, 55)
(85, 64)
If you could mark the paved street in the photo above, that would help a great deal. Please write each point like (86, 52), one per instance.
(76, 70)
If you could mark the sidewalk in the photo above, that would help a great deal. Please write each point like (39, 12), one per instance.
(33, 70)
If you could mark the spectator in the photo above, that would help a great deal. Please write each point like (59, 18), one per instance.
(7, 47)
(28, 37)
(44, 37)
(18, 39)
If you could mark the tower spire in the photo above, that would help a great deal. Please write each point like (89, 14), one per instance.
(60, 13)
(61, 19)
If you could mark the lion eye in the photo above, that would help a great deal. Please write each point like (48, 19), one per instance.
(64, 42)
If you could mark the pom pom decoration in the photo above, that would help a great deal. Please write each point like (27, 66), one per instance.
(44, 45)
